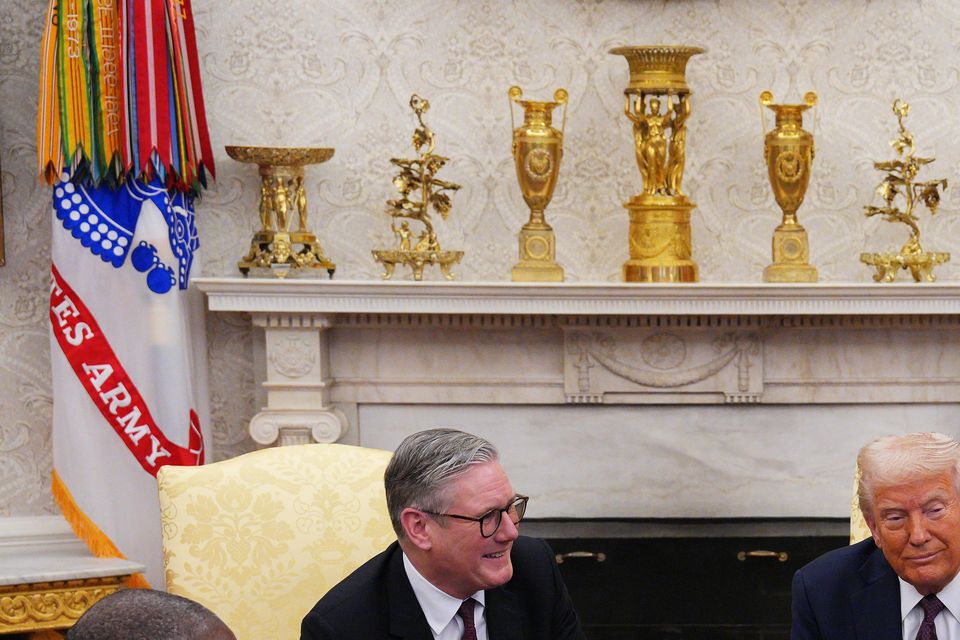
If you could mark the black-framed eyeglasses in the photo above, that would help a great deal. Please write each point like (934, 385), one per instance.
(490, 521)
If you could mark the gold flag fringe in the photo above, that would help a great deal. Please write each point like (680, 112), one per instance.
(84, 528)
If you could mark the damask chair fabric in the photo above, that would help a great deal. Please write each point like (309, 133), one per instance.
(858, 526)
(259, 538)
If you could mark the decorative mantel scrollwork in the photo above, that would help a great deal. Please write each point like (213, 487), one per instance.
(630, 363)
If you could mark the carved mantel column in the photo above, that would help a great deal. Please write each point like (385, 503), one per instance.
(297, 382)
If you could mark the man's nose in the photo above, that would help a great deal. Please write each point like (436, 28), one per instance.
(508, 530)
(917, 528)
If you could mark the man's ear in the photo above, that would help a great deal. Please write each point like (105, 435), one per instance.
(416, 525)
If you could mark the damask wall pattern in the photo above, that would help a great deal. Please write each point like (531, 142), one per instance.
(340, 73)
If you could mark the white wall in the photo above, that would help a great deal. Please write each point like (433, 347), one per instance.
(340, 73)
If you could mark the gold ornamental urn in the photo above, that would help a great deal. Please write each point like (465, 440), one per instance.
(537, 151)
(788, 151)
(658, 105)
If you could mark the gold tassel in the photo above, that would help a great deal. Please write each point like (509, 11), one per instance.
(84, 528)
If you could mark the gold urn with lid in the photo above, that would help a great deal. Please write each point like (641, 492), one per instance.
(537, 152)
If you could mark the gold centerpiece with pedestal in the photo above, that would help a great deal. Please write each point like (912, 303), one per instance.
(899, 183)
(658, 104)
(537, 151)
(283, 193)
(788, 151)
(419, 189)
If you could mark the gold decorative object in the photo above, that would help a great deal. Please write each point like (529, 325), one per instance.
(419, 190)
(899, 183)
(42, 606)
(283, 195)
(788, 151)
(658, 102)
(537, 151)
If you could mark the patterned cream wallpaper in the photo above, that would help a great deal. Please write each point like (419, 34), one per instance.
(339, 73)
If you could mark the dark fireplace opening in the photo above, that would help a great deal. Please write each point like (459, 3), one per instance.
(685, 579)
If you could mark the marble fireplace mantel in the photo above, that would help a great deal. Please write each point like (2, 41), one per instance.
(277, 296)
(367, 362)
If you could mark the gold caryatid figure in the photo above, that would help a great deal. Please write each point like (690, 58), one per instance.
(281, 204)
(660, 164)
(657, 103)
(900, 184)
(420, 191)
(300, 199)
(274, 246)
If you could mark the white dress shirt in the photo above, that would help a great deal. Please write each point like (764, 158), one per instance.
(440, 608)
(946, 622)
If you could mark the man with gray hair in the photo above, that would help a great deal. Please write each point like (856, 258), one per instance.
(459, 569)
(145, 614)
(900, 584)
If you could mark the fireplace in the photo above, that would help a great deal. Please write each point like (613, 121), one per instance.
(669, 427)
(686, 579)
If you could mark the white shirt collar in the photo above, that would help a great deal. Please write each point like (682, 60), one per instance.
(439, 607)
(949, 596)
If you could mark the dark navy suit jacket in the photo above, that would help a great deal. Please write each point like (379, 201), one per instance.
(376, 602)
(847, 594)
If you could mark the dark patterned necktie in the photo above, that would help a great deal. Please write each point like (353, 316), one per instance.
(470, 632)
(931, 606)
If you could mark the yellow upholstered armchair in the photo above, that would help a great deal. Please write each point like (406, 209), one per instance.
(858, 526)
(259, 538)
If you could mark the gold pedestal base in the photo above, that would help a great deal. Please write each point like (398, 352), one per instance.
(537, 256)
(791, 254)
(292, 249)
(416, 260)
(919, 264)
(660, 244)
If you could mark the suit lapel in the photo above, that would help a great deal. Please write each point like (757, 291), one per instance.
(876, 608)
(504, 617)
(406, 617)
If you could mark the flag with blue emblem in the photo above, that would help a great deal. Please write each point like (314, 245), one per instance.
(122, 140)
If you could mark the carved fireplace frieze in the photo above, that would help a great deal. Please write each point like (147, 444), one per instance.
(656, 366)
(333, 347)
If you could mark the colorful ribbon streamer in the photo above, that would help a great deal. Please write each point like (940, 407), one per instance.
(120, 94)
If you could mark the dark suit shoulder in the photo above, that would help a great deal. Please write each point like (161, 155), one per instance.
(844, 561)
(365, 581)
(844, 594)
(351, 607)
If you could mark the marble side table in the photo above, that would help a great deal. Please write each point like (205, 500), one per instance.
(48, 577)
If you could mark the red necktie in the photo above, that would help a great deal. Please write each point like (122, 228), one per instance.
(470, 632)
(931, 606)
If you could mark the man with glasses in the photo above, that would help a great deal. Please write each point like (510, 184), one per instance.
(459, 569)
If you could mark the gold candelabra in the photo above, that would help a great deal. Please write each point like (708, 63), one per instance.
(420, 190)
(899, 184)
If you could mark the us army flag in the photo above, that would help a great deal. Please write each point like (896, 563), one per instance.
(125, 355)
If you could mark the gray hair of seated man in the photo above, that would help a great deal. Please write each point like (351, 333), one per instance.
(424, 465)
(899, 460)
(145, 614)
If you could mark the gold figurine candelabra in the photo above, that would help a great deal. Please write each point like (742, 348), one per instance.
(899, 183)
(788, 151)
(419, 189)
(283, 194)
(658, 105)
(537, 151)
